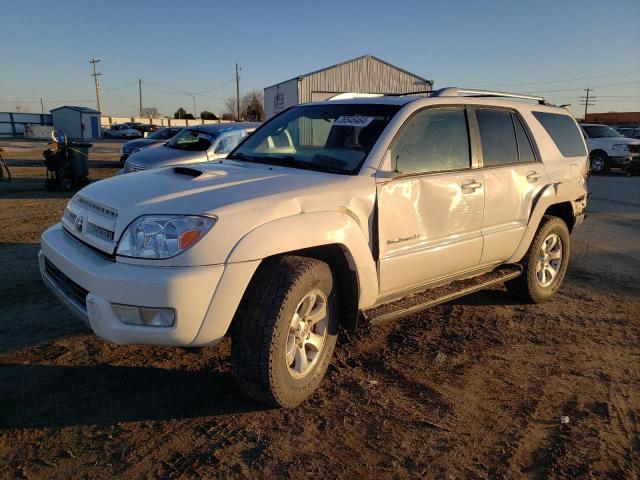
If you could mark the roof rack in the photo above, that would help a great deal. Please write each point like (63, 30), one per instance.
(457, 92)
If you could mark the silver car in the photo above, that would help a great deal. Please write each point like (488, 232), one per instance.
(195, 144)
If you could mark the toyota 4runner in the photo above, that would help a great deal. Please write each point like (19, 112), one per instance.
(330, 214)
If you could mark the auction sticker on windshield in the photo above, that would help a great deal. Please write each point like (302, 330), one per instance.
(352, 121)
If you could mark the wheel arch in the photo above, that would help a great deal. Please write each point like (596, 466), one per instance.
(598, 150)
(335, 237)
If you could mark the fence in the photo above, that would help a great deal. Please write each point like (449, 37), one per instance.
(105, 122)
(12, 124)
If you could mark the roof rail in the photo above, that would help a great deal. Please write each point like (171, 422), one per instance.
(457, 92)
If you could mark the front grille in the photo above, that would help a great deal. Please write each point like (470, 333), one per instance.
(97, 251)
(634, 148)
(96, 207)
(130, 168)
(98, 231)
(68, 286)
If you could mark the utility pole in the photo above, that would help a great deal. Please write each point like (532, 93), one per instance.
(140, 94)
(95, 76)
(587, 100)
(41, 105)
(238, 91)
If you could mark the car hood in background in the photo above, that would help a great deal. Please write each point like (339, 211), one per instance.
(163, 156)
(142, 142)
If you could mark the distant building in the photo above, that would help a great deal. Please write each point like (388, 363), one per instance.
(365, 74)
(614, 118)
(77, 122)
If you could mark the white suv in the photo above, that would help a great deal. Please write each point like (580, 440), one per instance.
(610, 149)
(330, 214)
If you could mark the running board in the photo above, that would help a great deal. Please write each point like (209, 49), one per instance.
(435, 296)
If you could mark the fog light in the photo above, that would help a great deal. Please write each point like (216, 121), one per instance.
(146, 316)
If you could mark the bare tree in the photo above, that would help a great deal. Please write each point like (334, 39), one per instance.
(251, 107)
(150, 112)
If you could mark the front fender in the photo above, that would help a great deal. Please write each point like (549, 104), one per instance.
(308, 230)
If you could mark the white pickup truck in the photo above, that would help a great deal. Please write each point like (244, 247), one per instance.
(330, 214)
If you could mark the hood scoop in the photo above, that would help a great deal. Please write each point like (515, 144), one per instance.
(190, 172)
(195, 173)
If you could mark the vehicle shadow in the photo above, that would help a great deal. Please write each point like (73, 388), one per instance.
(29, 313)
(41, 396)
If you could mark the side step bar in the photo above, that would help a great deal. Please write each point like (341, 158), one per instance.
(435, 296)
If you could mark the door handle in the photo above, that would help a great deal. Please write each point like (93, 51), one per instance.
(470, 187)
(533, 177)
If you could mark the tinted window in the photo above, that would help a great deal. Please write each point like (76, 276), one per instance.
(525, 152)
(498, 137)
(563, 131)
(433, 140)
(601, 131)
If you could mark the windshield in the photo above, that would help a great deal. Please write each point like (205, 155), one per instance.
(332, 138)
(163, 133)
(192, 140)
(601, 131)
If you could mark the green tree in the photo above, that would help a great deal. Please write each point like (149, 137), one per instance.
(180, 113)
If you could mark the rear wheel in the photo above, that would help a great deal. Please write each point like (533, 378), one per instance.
(599, 163)
(285, 330)
(545, 264)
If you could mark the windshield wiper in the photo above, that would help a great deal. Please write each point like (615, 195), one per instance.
(241, 156)
(291, 161)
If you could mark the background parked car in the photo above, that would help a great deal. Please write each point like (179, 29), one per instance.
(121, 131)
(158, 137)
(630, 132)
(192, 145)
(610, 149)
(143, 127)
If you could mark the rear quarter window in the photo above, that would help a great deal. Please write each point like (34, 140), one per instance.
(564, 133)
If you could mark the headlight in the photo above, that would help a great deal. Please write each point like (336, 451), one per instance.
(621, 148)
(162, 236)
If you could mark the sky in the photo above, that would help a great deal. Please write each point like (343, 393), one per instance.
(553, 48)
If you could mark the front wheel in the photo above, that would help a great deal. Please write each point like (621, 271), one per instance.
(545, 264)
(285, 330)
(599, 163)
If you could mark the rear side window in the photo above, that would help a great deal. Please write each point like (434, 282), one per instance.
(525, 151)
(498, 137)
(563, 131)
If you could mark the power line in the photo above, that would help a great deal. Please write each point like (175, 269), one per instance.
(120, 88)
(580, 88)
(566, 80)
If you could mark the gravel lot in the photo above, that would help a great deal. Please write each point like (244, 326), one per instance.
(470, 389)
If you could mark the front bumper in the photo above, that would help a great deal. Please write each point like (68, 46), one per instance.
(73, 270)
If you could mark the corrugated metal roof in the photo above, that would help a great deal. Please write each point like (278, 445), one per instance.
(361, 57)
(77, 109)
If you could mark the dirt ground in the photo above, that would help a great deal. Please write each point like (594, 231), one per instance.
(471, 389)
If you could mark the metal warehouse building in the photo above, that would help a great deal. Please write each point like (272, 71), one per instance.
(365, 74)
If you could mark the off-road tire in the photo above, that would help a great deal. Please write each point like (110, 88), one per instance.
(605, 162)
(526, 286)
(261, 328)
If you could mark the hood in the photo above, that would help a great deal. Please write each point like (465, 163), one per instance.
(194, 190)
(163, 156)
(616, 140)
(142, 142)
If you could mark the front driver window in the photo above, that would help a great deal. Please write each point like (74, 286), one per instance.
(434, 140)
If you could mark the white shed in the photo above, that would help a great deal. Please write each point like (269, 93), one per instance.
(77, 122)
